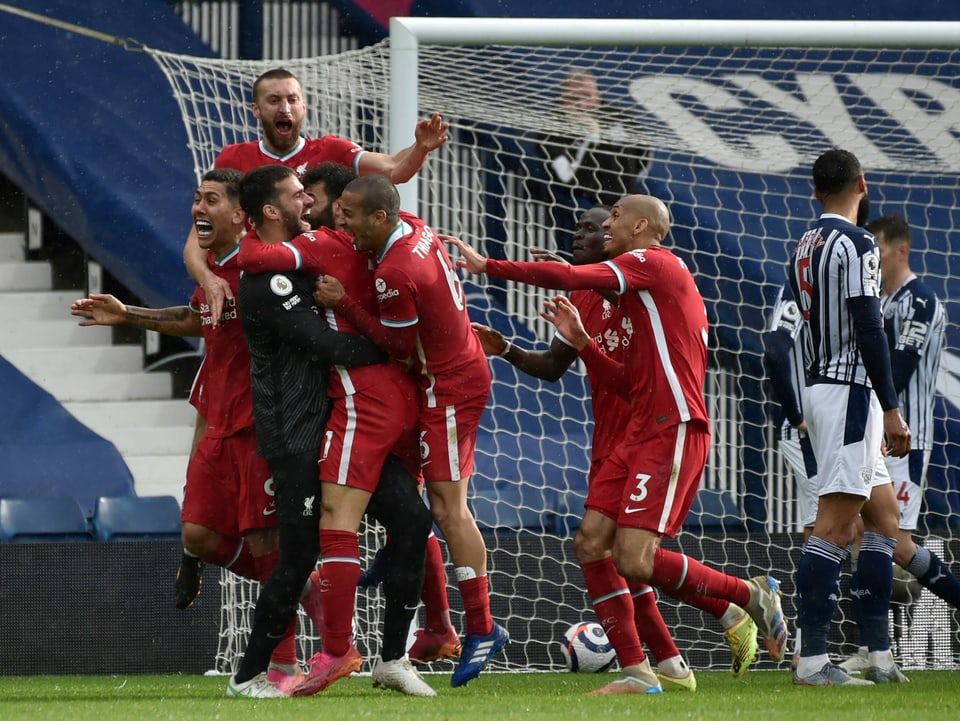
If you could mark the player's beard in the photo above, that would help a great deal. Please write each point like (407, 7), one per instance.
(292, 224)
(323, 219)
(279, 143)
(863, 210)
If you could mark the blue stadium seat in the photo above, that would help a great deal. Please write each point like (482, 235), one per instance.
(137, 518)
(38, 520)
(713, 512)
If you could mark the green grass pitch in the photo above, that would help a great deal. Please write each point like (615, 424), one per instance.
(759, 696)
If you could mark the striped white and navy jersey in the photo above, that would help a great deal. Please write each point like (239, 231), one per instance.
(784, 348)
(914, 322)
(834, 262)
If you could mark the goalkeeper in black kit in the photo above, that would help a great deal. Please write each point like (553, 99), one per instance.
(291, 348)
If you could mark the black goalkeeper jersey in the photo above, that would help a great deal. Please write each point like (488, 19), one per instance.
(291, 349)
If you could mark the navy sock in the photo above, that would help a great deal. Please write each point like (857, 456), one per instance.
(818, 583)
(933, 573)
(875, 583)
(855, 592)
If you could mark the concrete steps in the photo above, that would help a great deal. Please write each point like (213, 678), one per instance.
(101, 384)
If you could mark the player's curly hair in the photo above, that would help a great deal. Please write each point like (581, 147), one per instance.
(334, 176)
(835, 170)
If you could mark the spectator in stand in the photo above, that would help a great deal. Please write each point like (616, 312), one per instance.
(594, 151)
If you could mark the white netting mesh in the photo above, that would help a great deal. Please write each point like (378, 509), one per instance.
(728, 137)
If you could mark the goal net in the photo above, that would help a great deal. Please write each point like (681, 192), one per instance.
(725, 134)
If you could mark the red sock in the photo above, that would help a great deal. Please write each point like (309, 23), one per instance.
(338, 588)
(650, 624)
(614, 607)
(687, 579)
(265, 565)
(716, 607)
(475, 593)
(285, 654)
(434, 596)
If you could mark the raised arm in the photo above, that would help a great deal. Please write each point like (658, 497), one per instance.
(557, 276)
(400, 167)
(216, 288)
(105, 309)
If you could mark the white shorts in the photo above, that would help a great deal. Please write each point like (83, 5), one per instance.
(905, 473)
(845, 423)
(799, 456)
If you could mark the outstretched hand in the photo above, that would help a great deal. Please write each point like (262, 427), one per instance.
(492, 341)
(328, 291)
(432, 133)
(566, 318)
(472, 261)
(99, 309)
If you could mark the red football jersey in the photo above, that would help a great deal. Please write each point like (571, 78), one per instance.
(417, 285)
(324, 252)
(665, 357)
(307, 153)
(222, 390)
(611, 412)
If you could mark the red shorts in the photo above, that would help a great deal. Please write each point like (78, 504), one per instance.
(651, 484)
(448, 435)
(229, 487)
(366, 426)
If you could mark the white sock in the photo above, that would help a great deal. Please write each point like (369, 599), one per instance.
(730, 617)
(881, 659)
(674, 666)
(810, 665)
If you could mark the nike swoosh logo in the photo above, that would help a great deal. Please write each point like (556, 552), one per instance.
(628, 509)
(269, 511)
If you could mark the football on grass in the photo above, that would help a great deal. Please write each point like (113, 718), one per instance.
(585, 649)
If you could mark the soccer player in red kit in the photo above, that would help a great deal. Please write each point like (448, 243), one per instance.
(613, 597)
(325, 252)
(279, 105)
(654, 472)
(374, 412)
(423, 316)
(228, 506)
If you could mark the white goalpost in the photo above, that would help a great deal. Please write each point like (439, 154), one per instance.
(725, 119)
